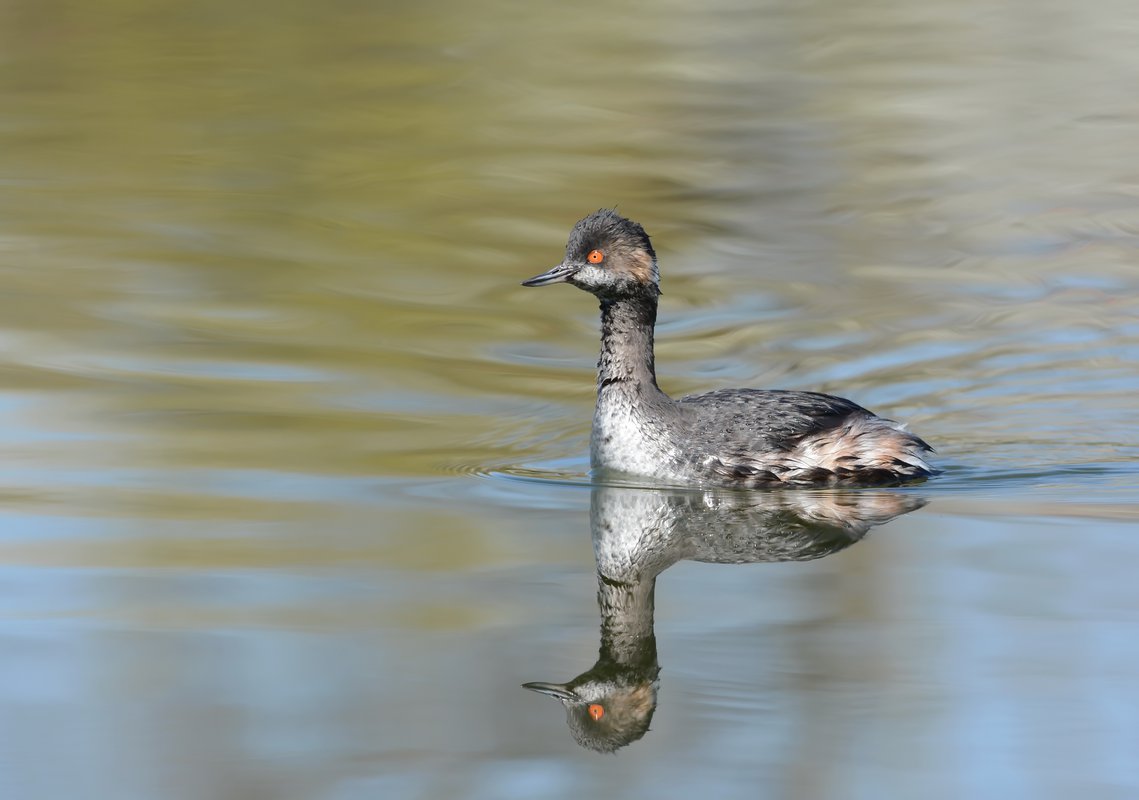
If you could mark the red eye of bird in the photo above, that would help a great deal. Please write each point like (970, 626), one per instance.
(595, 257)
(596, 711)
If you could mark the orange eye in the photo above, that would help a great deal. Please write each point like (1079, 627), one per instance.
(595, 257)
(596, 711)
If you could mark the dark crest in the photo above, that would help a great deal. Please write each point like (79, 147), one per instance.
(606, 228)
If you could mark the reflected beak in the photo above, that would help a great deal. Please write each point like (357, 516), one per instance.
(557, 690)
(559, 274)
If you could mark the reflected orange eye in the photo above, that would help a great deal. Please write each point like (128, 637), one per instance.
(595, 257)
(596, 711)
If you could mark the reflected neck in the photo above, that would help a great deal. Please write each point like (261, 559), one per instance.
(627, 636)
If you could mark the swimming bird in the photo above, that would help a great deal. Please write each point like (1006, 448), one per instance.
(727, 437)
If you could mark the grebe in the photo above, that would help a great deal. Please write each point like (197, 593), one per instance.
(727, 437)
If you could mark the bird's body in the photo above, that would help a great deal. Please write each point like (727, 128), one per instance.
(728, 437)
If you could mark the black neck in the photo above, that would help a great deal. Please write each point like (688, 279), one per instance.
(627, 341)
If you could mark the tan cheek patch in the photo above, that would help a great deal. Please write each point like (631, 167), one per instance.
(641, 700)
(641, 266)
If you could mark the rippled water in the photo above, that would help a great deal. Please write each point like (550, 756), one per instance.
(295, 491)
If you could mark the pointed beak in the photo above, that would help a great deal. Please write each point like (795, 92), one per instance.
(559, 274)
(558, 690)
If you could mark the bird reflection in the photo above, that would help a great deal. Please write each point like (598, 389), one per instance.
(639, 533)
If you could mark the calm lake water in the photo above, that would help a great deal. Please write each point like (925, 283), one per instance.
(295, 489)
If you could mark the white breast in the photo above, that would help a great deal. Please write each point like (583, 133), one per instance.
(624, 439)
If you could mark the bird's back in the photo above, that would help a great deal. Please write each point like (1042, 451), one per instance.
(756, 437)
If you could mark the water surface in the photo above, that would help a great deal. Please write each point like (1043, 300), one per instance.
(295, 491)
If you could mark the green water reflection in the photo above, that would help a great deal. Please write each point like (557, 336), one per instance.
(292, 494)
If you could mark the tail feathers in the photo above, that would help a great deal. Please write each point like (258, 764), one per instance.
(863, 450)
